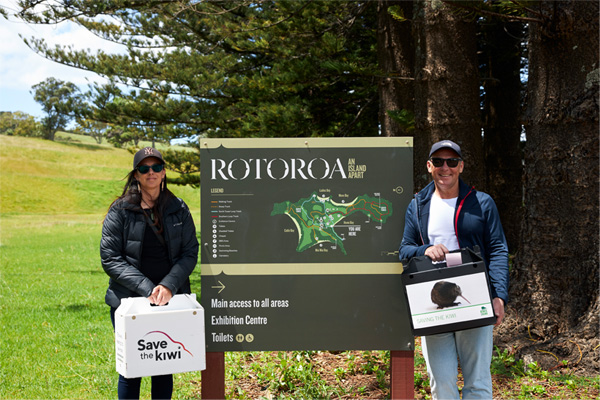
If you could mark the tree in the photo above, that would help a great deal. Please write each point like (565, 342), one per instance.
(185, 163)
(501, 51)
(58, 100)
(92, 128)
(499, 33)
(227, 68)
(446, 87)
(396, 58)
(120, 136)
(556, 268)
(19, 124)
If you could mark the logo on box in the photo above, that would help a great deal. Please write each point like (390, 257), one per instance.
(160, 347)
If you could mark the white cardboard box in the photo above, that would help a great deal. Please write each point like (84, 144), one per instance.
(463, 301)
(159, 340)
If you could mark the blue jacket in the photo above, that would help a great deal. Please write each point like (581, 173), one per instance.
(476, 223)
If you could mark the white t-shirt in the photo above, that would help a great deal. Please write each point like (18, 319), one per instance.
(441, 222)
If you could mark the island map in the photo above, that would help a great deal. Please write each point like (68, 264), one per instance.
(316, 217)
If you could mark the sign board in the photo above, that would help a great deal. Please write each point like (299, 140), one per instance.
(299, 243)
(159, 340)
(446, 299)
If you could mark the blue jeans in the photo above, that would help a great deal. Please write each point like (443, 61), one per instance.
(129, 388)
(474, 349)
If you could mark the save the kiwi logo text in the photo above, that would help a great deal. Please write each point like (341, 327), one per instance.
(161, 347)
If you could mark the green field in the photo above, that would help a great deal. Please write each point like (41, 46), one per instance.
(56, 338)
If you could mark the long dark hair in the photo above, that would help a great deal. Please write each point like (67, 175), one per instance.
(132, 194)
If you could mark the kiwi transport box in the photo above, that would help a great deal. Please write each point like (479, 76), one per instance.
(444, 298)
(159, 340)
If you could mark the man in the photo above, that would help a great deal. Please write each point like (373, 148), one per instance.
(448, 215)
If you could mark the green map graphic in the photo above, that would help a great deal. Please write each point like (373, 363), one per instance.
(316, 217)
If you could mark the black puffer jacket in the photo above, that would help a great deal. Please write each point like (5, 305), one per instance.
(121, 250)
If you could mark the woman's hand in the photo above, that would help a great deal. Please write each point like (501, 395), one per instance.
(160, 295)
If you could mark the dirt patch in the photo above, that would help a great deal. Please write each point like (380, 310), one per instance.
(359, 375)
(580, 356)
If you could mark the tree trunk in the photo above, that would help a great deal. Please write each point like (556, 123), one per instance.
(501, 61)
(50, 134)
(395, 52)
(554, 283)
(446, 88)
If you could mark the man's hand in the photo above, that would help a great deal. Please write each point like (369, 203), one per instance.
(437, 252)
(160, 295)
(498, 304)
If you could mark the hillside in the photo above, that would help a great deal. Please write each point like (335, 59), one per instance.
(74, 176)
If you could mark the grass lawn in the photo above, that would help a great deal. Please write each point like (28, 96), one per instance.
(56, 338)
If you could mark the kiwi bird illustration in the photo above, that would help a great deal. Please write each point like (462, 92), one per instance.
(444, 294)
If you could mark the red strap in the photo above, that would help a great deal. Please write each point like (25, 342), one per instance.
(458, 213)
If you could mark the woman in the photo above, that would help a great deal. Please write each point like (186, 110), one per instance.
(148, 249)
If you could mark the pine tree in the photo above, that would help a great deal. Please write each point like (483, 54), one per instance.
(226, 68)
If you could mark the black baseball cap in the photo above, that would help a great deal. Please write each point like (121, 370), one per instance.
(145, 153)
(445, 144)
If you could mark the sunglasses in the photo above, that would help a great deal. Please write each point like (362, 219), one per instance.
(450, 162)
(144, 169)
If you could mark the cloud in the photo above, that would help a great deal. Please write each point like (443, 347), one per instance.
(22, 67)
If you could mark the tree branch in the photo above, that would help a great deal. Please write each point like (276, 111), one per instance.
(480, 11)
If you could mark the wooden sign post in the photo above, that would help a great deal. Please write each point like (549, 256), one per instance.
(401, 376)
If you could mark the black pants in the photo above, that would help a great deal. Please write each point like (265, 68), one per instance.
(129, 388)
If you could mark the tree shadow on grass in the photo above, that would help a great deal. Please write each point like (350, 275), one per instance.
(85, 146)
(75, 307)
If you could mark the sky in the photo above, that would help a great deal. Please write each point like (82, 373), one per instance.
(21, 67)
